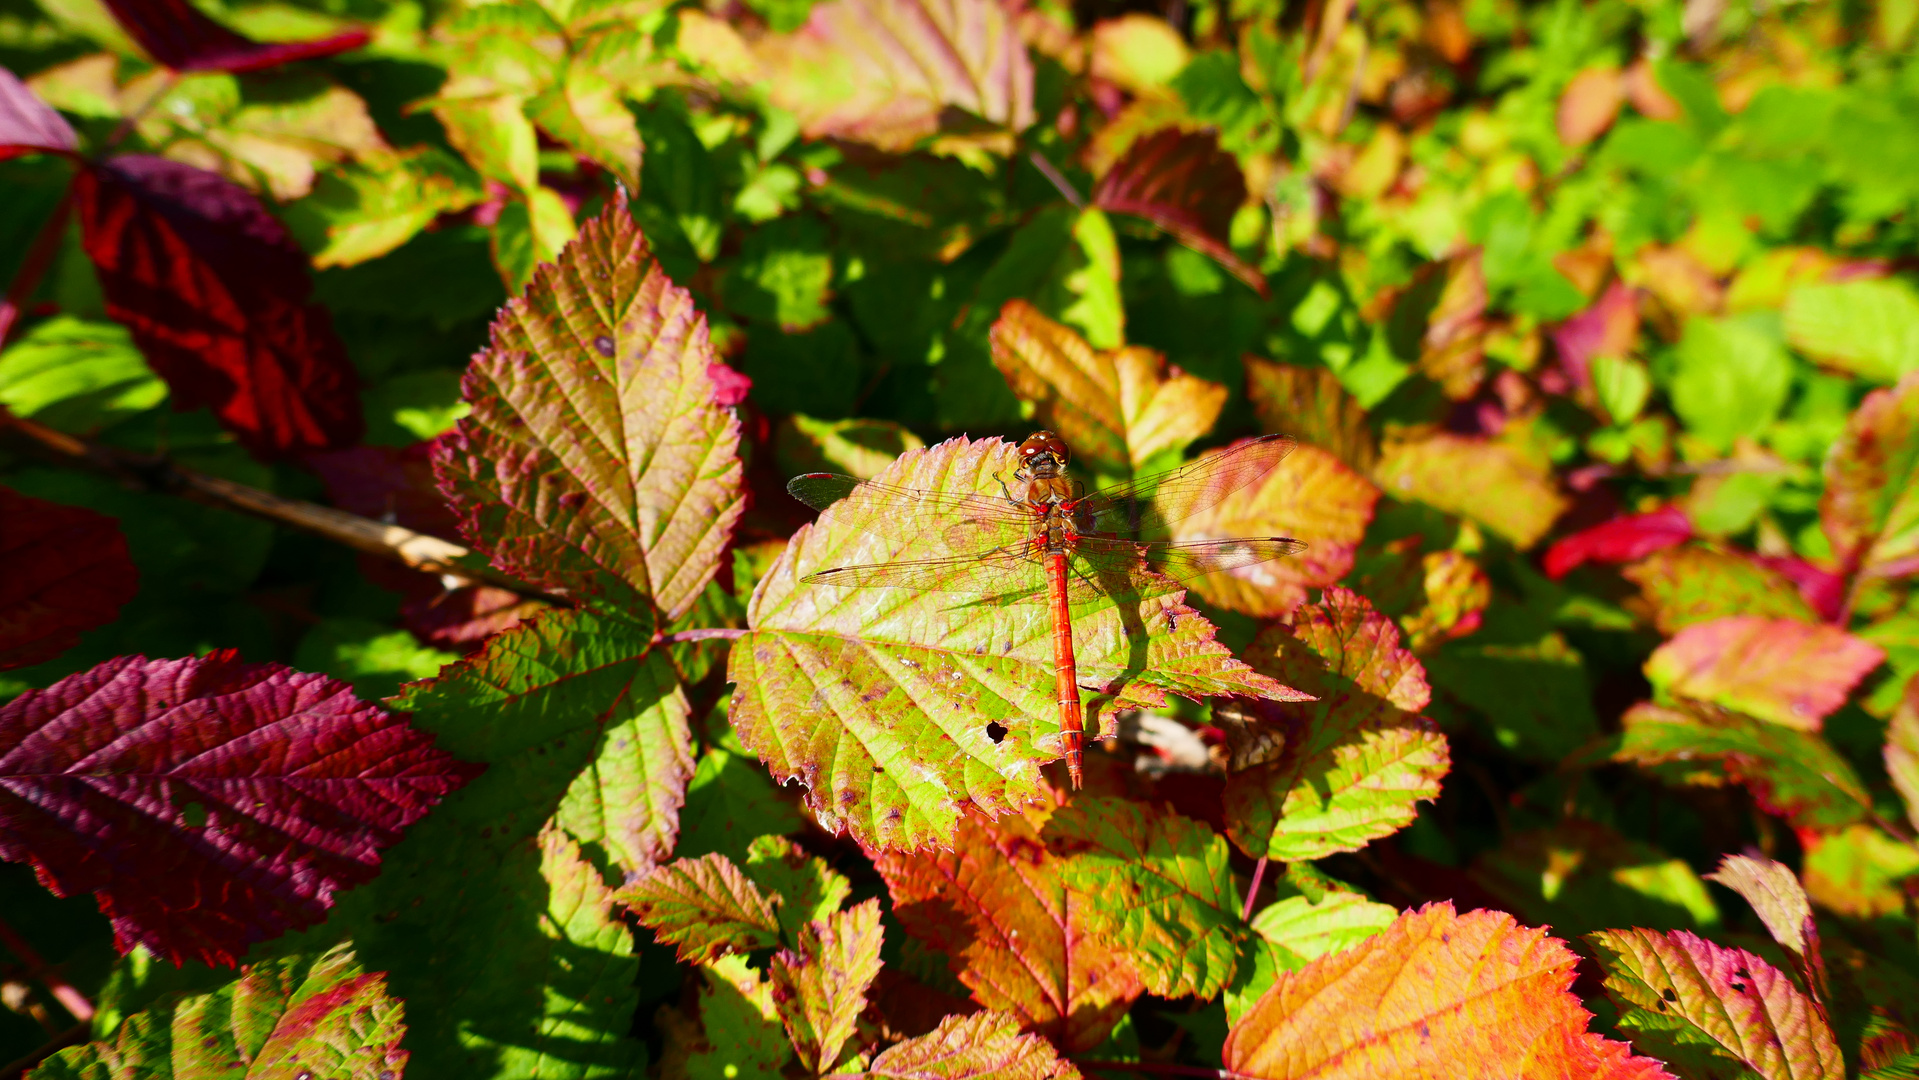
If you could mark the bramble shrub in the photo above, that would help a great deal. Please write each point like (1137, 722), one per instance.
(407, 639)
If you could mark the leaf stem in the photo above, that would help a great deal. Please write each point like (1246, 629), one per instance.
(69, 996)
(1252, 891)
(1169, 1068)
(154, 473)
(46, 244)
(715, 633)
(1065, 186)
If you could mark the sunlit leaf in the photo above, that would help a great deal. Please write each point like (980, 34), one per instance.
(1695, 584)
(1311, 405)
(1296, 931)
(809, 889)
(78, 376)
(67, 572)
(859, 448)
(894, 706)
(1781, 670)
(1116, 408)
(1868, 327)
(1433, 994)
(1184, 183)
(1623, 539)
(595, 460)
(1579, 876)
(1590, 102)
(1859, 871)
(27, 124)
(984, 1046)
(1902, 750)
(1454, 472)
(819, 985)
(1781, 904)
(324, 1016)
(1706, 1007)
(736, 1033)
(1870, 509)
(176, 34)
(704, 908)
(357, 213)
(997, 905)
(209, 803)
(585, 112)
(1731, 378)
(1789, 772)
(1354, 764)
(1168, 894)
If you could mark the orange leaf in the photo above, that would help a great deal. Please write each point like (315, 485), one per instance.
(997, 906)
(1590, 103)
(820, 987)
(1455, 473)
(1434, 994)
(1779, 670)
(1311, 405)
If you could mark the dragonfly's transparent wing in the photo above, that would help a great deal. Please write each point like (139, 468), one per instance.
(1148, 504)
(970, 523)
(1120, 567)
(1001, 573)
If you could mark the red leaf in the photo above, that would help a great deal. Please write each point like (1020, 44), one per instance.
(177, 35)
(1623, 539)
(1184, 183)
(1607, 328)
(215, 292)
(208, 803)
(462, 619)
(387, 484)
(1822, 590)
(67, 571)
(27, 124)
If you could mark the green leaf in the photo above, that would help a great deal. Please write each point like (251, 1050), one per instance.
(730, 802)
(1694, 584)
(895, 706)
(543, 705)
(738, 1034)
(983, 1046)
(680, 178)
(1580, 876)
(1351, 766)
(1297, 930)
(375, 659)
(1731, 377)
(809, 889)
(492, 132)
(78, 376)
(319, 1015)
(362, 212)
(819, 986)
(1779, 670)
(1870, 510)
(586, 113)
(595, 461)
(1902, 750)
(784, 274)
(530, 233)
(1792, 773)
(862, 448)
(1168, 893)
(1868, 327)
(1711, 1010)
(704, 908)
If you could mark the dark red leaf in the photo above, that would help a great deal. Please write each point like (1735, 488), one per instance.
(27, 124)
(387, 484)
(67, 571)
(1623, 539)
(1822, 590)
(215, 292)
(1184, 183)
(177, 35)
(208, 803)
(462, 619)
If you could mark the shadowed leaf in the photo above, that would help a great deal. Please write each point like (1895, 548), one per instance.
(1579, 876)
(1705, 1007)
(209, 803)
(704, 908)
(736, 1033)
(983, 1046)
(1870, 510)
(1433, 994)
(302, 1015)
(1116, 408)
(1167, 895)
(1184, 183)
(894, 706)
(67, 572)
(1352, 765)
(216, 294)
(997, 905)
(1792, 773)
(819, 986)
(176, 34)
(596, 461)
(1780, 670)
(1902, 750)
(809, 889)
(1691, 584)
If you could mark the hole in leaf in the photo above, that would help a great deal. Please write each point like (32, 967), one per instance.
(995, 732)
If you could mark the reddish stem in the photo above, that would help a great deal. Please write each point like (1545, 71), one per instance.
(713, 634)
(1252, 891)
(34, 267)
(69, 997)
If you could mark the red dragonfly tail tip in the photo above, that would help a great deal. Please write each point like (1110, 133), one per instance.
(1073, 767)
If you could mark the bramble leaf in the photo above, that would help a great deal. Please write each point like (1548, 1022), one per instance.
(887, 72)
(808, 888)
(176, 34)
(217, 296)
(983, 1046)
(1184, 183)
(997, 905)
(27, 124)
(1706, 1007)
(737, 1034)
(1296, 931)
(1310, 496)
(1776, 897)
(1902, 750)
(209, 803)
(819, 986)
(1579, 876)
(1116, 408)
(1433, 994)
(78, 376)
(1779, 670)
(1870, 509)
(1352, 765)
(67, 572)
(704, 908)
(1454, 472)
(1623, 539)
(317, 1016)
(894, 706)
(1868, 327)
(596, 461)
(1311, 405)
(1790, 772)
(1694, 584)
(1167, 894)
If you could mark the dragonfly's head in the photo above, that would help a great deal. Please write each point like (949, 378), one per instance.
(1042, 456)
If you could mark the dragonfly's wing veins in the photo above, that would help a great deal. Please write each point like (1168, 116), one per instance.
(1001, 572)
(1123, 568)
(1147, 505)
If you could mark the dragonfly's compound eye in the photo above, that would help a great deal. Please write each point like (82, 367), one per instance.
(1042, 442)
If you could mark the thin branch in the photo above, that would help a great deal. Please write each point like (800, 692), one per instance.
(1058, 178)
(153, 472)
(69, 996)
(46, 245)
(712, 634)
(1252, 891)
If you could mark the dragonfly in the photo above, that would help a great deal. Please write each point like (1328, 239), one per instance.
(1050, 541)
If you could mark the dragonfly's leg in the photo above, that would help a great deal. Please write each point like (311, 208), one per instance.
(1004, 489)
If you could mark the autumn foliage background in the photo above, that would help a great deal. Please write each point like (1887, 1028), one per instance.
(1596, 322)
